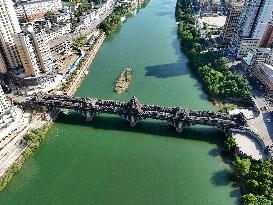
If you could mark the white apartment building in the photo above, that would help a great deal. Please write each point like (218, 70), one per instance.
(104, 7)
(4, 103)
(7, 114)
(91, 19)
(252, 24)
(35, 9)
(3, 66)
(234, 11)
(58, 31)
(34, 51)
(9, 25)
(60, 17)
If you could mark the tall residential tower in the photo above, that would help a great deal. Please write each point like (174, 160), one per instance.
(232, 19)
(34, 51)
(9, 25)
(252, 24)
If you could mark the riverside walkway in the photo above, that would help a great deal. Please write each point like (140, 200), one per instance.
(81, 73)
(134, 111)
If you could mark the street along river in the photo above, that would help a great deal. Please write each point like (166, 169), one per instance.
(107, 162)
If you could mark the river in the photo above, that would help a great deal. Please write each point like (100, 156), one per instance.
(106, 161)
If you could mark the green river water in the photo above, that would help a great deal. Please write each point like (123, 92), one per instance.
(106, 162)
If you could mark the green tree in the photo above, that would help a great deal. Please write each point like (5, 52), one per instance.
(252, 185)
(230, 144)
(264, 189)
(79, 42)
(262, 200)
(221, 64)
(48, 14)
(241, 166)
(249, 199)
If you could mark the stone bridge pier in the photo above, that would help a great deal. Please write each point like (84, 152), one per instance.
(223, 129)
(43, 113)
(133, 111)
(133, 119)
(179, 125)
(88, 114)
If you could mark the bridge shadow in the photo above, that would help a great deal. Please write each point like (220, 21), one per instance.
(156, 128)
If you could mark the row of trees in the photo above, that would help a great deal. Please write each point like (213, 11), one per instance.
(255, 177)
(83, 6)
(112, 22)
(209, 64)
(79, 42)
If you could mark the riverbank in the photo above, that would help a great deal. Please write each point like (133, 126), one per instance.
(254, 177)
(211, 67)
(29, 139)
(41, 124)
(221, 83)
(112, 22)
(69, 88)
(107, 156)
(225, 85)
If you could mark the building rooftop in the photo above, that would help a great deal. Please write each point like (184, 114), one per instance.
(267, 70)
(31, 1)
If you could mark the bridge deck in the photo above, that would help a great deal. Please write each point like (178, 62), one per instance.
(134, 111)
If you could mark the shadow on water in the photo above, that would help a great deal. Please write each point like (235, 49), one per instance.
(178, 68)
(214, 152)
(223, 178)
(160, 129)
(165, 3)
(157, 128)
(218, 177)
(165, 13)
(165, 70)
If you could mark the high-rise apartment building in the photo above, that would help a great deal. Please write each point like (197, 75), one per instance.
(232, 19)
(34, 51)
(267, 40)
(9, 25)
(252, 24)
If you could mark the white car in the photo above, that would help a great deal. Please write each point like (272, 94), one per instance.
(268, 120)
